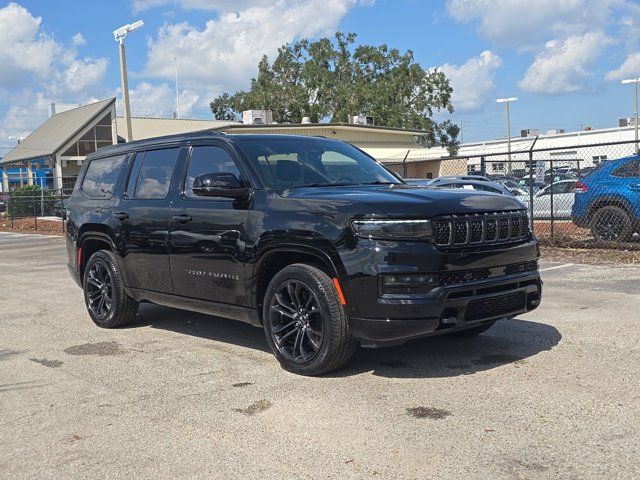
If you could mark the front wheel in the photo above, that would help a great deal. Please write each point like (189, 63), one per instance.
(107, 303)
(304, 322)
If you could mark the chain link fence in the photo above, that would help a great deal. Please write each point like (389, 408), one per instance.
(577, 195)
(31, 207)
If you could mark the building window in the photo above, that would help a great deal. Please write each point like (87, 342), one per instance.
(498, 167)
(97, 137)
(597, 159)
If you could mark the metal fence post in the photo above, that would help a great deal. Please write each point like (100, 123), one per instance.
(551, 190)
(483, 166)
(11, 208)
(533, 227)
(531, 191)
(41, 202)
(62, 209)
(35, 210)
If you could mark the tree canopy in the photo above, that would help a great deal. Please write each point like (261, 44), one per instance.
(331, 79)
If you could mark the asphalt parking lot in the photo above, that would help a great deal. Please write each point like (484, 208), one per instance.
(554, 393)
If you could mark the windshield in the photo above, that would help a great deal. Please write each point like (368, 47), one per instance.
(312, 162)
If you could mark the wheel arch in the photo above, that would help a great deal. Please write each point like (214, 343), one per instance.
(274, 260)
(91, 241)
(609, 201)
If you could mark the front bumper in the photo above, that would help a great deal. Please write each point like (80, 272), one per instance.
(452, 308)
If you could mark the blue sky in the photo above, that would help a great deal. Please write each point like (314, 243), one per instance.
(564, 59)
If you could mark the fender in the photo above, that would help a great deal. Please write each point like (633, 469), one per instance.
(266, 253)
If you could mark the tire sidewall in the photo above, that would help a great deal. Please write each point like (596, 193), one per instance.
(628, 227)
(321, 358)
(116, 297)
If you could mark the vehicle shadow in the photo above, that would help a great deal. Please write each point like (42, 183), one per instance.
(507, 342)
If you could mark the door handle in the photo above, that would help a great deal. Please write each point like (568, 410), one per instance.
(121, 215)
(181, 218)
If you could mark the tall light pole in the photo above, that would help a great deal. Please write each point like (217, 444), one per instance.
(507, 101)
(175, 59)
(120, 34)
(635, 114)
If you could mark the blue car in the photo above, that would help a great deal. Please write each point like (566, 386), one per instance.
(608, 200)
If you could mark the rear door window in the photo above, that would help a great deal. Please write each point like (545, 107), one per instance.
(151, 174)
(102, 175)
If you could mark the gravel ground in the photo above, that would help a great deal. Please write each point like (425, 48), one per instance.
(552, 394)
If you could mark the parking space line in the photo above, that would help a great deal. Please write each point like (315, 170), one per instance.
(556, 267)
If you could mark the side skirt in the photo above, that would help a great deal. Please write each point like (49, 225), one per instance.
(235, 312)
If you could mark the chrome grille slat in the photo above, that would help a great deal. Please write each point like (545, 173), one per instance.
(479, 229)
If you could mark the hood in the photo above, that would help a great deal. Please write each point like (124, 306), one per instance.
(405, 200)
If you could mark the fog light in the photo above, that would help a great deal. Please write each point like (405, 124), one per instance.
(408, 283)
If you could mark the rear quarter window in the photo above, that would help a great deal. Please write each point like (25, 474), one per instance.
(102, 175)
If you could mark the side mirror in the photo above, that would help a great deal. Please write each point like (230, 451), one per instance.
(224, 185)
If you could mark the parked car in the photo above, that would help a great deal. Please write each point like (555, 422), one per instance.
(563, 194)
(526, 182)
(450, 182)
(608, 200)
(309, 238)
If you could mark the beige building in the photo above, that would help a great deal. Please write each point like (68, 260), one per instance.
(65, 139)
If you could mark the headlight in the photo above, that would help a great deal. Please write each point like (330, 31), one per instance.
(393, 229)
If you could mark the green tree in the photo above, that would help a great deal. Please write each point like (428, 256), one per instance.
(330, 79)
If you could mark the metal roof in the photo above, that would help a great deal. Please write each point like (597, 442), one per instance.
(56, 132)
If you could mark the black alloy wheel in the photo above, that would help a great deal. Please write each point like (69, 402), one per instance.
(108, 304)
(305, 322)
(99, 288)
(296, 322)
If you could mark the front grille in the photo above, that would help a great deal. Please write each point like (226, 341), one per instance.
(521, 267)
(451, 278)
(454, 277)
(493, 306)
(479, 229)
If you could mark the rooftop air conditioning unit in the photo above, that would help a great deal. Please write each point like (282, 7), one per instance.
(257, 117)
(555, 131)
(361, 120)
(529, 132)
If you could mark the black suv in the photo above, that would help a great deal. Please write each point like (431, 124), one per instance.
(309, 238)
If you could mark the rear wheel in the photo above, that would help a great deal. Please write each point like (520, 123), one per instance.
(304, 322)
(611, 223)
(107, 303)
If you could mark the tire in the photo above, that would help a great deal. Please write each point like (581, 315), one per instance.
(106, 301)
(473, 331)
(611, 223)
(304, 322)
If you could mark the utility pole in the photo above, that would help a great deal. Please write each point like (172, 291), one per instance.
(120, 34)
(507, 101)
(635, 107)
(461, 133)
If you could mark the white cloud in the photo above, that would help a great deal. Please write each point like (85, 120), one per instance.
(629, 68)
(29, 56)
(524, 22)
(24, 50)
(224, 53)
(562, 67)
(78, 40)
(149, 100)
(472, 82)
(223, 5)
